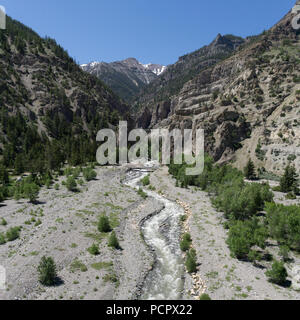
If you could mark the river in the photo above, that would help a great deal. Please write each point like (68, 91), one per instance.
(162, 234)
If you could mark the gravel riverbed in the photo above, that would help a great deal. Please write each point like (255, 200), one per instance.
(69, 226)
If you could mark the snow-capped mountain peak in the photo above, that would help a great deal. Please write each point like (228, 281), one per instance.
(125, 77)
(155, 68)
(90, 65)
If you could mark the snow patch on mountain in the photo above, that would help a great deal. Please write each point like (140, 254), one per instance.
(155, 68)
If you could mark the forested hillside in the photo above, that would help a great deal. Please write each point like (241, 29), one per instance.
(50, 110)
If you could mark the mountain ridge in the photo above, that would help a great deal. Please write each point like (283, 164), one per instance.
(126, 77)
(50, 109)
(247, 103)
(188, 66)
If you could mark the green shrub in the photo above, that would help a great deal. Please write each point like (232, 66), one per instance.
(183, 218)
(254, 256)
(89, 174)
(68, 172)
(71, 184)
(146, 181)
(243, 235)
(242, 201)
(284, 253)
(110, 278)
(38, 223)
(103, 224)
(76, 172)
(47, 271)
(142, 193)
(278, 273)
(27, 189)
(232, 194)
(3, 222)
(205, 296)
(2, 239)
(284, 224)
(191, 263)
(113, 241)
(13, 234)
(291, 196)
(78, 265)
(56, 187)
(277, 189)
(48, 183)
(186, 242)
(260, 153)
(94, 250)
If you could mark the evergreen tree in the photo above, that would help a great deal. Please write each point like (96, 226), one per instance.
(47, 271)
(191, 264)
(113, 241)
(71, 184)
(19, 164)
(4, 178)
(249, 170)
(31, 191)
(289, 181)
(186, 242)
(103, 224)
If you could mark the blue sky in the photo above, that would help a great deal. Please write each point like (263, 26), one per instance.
(157, 31)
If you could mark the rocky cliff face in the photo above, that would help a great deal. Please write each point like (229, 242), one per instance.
(186, 68)
(125, 77)
(248, 104)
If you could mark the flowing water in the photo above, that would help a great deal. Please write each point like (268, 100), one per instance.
(162, 234)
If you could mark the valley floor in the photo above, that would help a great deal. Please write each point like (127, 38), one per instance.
(69, 226)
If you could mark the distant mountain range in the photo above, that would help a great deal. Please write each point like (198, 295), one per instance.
(126, 78)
